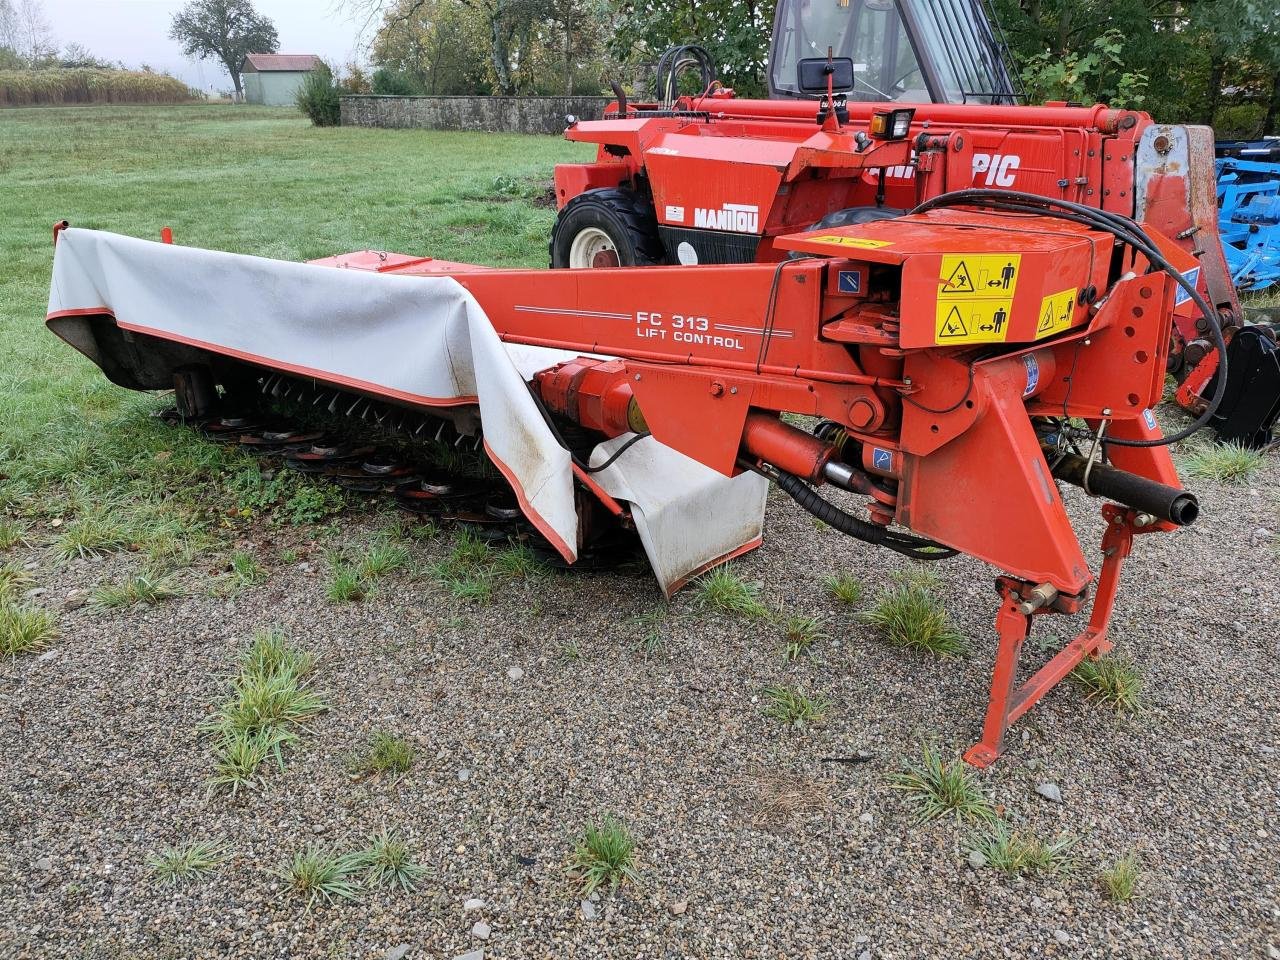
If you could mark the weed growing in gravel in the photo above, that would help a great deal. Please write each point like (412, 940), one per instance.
(175, 865)
(385, 753)
(799, 634)
(723, 589)
(270, 704)
(1110, 679)
(1014, 851)
(1120, 880)
(287, 495)
(239, 755)
(469, 587)
(12, 533)
(908, 615)
(1223, 462)
(279, 701)
(147, 588)
(938, 787)
(346, 585)
(382, 557)
(13, 580)
(24, 628)
(319, 874)
(270, 655)
(652, 637)
(246, 571)
(845, 587)
(793, 707)
(387, 862)
(472, 569)
(518, 561)
(92, 535)
(569, 651)
(605, 855)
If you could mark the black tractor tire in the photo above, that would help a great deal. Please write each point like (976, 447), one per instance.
(622, 226)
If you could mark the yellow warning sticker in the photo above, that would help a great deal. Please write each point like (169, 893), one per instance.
(974, 275)
(1056, 312)
(975, 296)
(972, 321)
(861, 242)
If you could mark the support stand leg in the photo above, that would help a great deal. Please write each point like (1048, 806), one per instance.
(1008, 701)
(1012, 626)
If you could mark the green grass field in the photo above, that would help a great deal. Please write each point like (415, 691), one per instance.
(247, 180)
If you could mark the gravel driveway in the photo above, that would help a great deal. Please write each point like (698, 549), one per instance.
(101, 765)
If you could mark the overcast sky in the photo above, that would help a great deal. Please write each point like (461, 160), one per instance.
(137, 31)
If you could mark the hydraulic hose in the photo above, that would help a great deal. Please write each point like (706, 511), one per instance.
(1172, 504)
(917, 548)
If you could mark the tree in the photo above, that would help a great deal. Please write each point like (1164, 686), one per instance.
(24, 32)
(582, 25)
(430, 46)
(225, 30)
(8, 26)
(735, 32)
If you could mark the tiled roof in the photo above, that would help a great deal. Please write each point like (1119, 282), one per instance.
(263, 62)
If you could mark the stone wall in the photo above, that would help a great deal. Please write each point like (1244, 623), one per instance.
(491, 114)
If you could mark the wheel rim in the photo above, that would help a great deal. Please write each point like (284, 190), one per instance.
(592, 247)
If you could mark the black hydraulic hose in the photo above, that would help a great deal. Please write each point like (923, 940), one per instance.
(1173, 504)
(918, 548)
(1129, 232)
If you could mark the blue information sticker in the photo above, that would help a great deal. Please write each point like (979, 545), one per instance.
(849, 281)
(1033, 373)
(1150, 418)
(881, 459)
(1181, 296)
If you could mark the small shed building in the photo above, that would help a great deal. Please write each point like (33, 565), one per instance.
(273, 79)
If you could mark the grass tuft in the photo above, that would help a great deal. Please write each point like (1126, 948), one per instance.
(384, 556)
(387, 862)
(938, 787)
(799, 634)
(1110, 679)
(270, 705)
(384, 753)
(845, 587)
(175, 865)
(140, 588)
(1120, 880)
(723, 589)
(605, 856)
(1014, 852)
(270, 655)
(652, 624)
(246, 571)
(1223, 462)
(518, 561)
(793, 707)
(238, 759)
(319, 874)
(14, 579)
(24, 629)
(12, 533)
(346, 585)
(92, 535)
(908, 615)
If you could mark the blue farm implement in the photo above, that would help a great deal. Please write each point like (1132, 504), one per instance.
(1249, 220)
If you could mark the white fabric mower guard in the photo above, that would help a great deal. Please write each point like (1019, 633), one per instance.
(420, 341)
